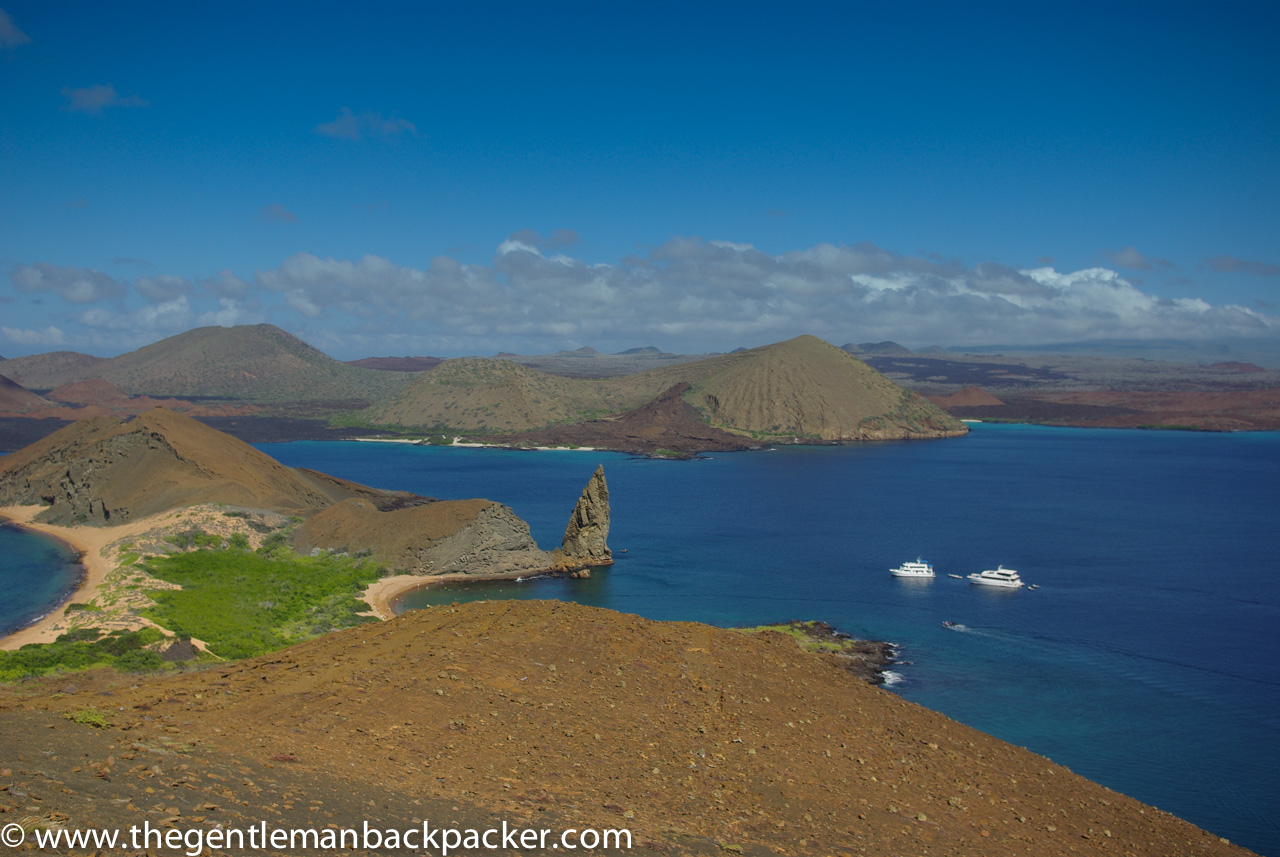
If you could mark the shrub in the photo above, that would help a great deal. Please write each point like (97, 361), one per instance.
(244, 604)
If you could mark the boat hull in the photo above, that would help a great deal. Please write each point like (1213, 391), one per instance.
(979, 580)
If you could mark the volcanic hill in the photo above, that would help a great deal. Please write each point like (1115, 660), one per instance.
(668, 426)
(15, 398)
(801, 389)
(480, 394)
(250, 362)
(103, 471)
(52, 369)
(808, 388)
(555, 715)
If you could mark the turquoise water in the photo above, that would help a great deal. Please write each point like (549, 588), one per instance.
(36, 574)
(1146, 660)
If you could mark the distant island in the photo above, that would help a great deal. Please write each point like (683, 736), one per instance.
(262, 384)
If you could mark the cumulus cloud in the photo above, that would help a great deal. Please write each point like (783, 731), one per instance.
(370, 123)
(695, 294)
(73, 285)
(46, 337)
(1231, 265)
(277, 213)
(226, 285)
(688, 294)
(162, 288)
(1131, 257)
(10, 36)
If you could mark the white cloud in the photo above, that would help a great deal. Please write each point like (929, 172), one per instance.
(92, 99)
(10, 36)
(163, 287)
(166, 317)
(226, 285)
(370, 123)
(231, 312)
(49, 336)
(692, 294)
(73, 285)
(688, 294)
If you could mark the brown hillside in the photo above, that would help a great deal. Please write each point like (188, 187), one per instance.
(666, 424)
(444, 537)
(547, 714)
(805, 387)
(16, 399)
(93, 391)
(479, 394)
(46, 371)
(106, 471)
(970, 397)
(256, 362)
(802, 388)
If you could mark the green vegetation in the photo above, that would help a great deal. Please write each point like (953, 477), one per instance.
(94, 717)
(244, 604)
(194, 538)
(811, 636)
(82, 649)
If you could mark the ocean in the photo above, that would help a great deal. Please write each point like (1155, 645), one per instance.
(1146, 659)
(37, 573)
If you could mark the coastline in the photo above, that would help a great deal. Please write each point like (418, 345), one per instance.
(475, 444)
(91, 544)
(381, 595)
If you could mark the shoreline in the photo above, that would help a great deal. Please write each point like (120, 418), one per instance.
(469, 444)
(381, 595)
(89, 543)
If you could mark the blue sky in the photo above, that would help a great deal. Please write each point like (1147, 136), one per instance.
(453, 179)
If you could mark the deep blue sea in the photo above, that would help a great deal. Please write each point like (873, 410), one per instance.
(1148, 658)
(36, 574)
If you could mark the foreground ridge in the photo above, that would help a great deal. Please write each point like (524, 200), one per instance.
(694, 738)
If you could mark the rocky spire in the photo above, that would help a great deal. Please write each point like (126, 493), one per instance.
(585, 537)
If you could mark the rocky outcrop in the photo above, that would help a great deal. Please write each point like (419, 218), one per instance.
(586, 537)
(478, 537)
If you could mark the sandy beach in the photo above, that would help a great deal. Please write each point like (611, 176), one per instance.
(382, 593)
(91, 543)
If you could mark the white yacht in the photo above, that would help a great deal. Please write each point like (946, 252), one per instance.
(999, 576)
(919, 568)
